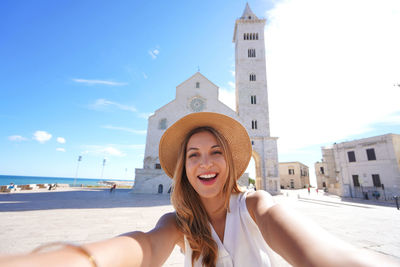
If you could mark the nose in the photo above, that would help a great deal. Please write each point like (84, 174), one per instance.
(206, 162)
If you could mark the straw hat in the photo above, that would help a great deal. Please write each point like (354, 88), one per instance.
(233, 131)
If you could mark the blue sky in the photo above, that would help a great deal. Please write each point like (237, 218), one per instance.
(81, 77)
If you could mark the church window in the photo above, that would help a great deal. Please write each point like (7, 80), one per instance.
(162, 125)
(254, 124)
(251, 52)
(253, 100)
(252, 77)
(197, 85)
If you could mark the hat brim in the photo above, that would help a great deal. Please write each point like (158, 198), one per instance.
(234, 132)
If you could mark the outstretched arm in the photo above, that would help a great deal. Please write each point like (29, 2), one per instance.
(131, 249)
(302, 242)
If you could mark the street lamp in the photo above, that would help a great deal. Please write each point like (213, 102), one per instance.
(77, 168)
(102, 169)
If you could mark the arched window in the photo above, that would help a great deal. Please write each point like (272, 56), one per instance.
(160, 188)
(197, 85)
(247, 36)
(256, 36)
(162, 124)
(252, 77)
(244, 36)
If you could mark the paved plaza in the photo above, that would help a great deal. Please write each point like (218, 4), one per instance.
(28, 219)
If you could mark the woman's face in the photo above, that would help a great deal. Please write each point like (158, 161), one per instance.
(206, 167)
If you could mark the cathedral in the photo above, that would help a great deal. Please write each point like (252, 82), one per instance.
(198, 94)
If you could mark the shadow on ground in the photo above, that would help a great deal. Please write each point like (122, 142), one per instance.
(82, 199)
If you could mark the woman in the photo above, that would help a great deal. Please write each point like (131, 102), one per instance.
(215, 223)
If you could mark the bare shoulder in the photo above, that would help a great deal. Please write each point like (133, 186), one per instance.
(258, 202)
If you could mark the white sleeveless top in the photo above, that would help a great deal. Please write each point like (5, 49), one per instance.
(243, 243)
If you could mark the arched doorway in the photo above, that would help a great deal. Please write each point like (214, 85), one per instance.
(254, 169)
(160, 188)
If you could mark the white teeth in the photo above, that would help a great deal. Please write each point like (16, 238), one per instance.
(207, 176)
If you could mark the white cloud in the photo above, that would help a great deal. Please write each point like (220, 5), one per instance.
(154, 53)
(145, 75)
(232, 72)
(60, 149)
(227, 97)
(17, 138)
(42, 136)
(103, 82)
(103, 103)
(61, 140)
(331, 69)
(231, 85)
(124, 129)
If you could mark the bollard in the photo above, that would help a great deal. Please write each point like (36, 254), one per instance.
(396, 199)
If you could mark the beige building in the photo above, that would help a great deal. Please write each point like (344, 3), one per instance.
(325, 172)
(293, 175)
(364, 167)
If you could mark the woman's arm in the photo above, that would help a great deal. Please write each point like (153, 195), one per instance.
(302, 242)
(132, 249)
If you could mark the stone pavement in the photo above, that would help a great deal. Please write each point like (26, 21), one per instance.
(30, 219)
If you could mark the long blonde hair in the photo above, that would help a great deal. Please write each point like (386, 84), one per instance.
(192, 218)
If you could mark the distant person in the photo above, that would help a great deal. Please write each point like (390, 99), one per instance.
(215, 223)
(12, 187)
(113, 187)
(308, 189)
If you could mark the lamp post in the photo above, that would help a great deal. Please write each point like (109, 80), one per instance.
(77, 168)
(102, 169)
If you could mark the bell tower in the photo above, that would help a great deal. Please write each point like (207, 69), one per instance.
(252, 97)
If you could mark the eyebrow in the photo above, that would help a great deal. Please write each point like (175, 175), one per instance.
(195, 148)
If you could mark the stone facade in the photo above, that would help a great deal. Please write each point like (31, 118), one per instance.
(293, 175)
(368, 166)
(198, 94)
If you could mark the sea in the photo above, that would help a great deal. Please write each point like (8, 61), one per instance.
(21, 180)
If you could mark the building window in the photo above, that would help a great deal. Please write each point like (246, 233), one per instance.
(254, 124)
(291, 171)
(376, 180)
(162, 125)
(252, 143)
(371, 154)
(252, 77)
(253, 99)
(256, 36)
(321, 170)
(197, 85)
(356, 182)
(157, 166)
(352, 156)
(251, 52)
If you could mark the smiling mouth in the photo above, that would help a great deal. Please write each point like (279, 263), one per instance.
(207, 177)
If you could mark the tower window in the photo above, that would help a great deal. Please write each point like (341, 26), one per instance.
(197, 85)
(251, 52)
(254, 124)
(253, 99)
(252, 77)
